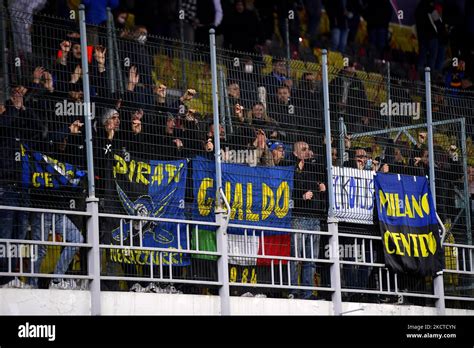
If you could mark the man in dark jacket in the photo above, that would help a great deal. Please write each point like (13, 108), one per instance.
(431, 34)
(18, 124)
(378, 14)
(308, 202)
(241, 29)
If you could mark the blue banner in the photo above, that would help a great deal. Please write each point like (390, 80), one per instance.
(44, 172)
(152, 189)
(258, 196)
(408, 224)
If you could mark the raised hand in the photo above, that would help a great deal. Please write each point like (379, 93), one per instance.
(136, 125)
(133, 78)
(37, 73)
(321, 187)
(99, 55)
(76, 74)
(239, 112)
(178, 143)
(65, 46)
(75, 127)
(48, 81)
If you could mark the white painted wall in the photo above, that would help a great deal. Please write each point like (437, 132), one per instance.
(68, 302)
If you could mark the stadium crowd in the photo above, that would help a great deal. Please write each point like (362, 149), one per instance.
(277, 115)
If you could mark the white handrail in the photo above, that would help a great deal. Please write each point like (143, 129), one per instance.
(443, 236)
(227, 205)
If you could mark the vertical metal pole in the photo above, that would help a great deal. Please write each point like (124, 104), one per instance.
(389, 94)
(332, 222)
(228, 113)
(222, 100)
(215, 109)
(4, 53)
(287, 44)
(87, 102)
(221, 233)
(118, 63)
(438, 282)
(92, 201)
(342, 145)
(466, 182)
(327, 123)
(429, 117)
(110, 50)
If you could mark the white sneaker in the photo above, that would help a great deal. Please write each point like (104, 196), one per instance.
(83, 284)
(16, 283)
(27, 286)
(170, 289)
(261, 296)
(152, 287)
(63, 284)
(137, 288)
(247, 294)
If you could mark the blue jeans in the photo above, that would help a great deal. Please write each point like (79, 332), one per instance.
(308, 269)
(432, 54)
(13, 224)
(71, 235)
(339, 39)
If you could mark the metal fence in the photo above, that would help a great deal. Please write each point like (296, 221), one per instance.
(93, 119)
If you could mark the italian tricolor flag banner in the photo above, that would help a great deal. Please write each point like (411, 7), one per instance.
(259, 198)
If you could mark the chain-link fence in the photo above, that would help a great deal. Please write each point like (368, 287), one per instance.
(154, 160)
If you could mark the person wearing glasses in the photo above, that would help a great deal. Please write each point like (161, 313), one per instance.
(360, 160)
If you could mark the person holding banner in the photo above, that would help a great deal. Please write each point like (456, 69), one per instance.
(66, 139)
(107, 142)
(14, 224)
(308, 201)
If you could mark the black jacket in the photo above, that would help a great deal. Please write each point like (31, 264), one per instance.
(308, 180)
(16, 126)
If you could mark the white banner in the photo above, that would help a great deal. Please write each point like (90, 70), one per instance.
(354, 195)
